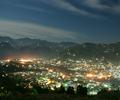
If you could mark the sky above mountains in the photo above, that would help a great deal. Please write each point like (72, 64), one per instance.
(61, 20)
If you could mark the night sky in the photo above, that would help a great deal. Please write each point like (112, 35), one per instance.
(61, 20)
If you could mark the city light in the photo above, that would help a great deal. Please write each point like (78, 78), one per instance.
(53, 73)
(23, 61)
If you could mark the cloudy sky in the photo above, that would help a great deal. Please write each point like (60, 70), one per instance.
(61, 20)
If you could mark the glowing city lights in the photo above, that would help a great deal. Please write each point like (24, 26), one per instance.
(54, 73)
(25, 60)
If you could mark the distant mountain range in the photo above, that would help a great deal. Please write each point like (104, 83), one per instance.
(40, 48)
(92, 51)
(31, 47)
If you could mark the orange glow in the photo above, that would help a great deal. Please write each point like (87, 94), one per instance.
(8, 60)
(98, 75)
(50, 70)
(90, 75)
(23, 61)
(101, 77)
(49, 81)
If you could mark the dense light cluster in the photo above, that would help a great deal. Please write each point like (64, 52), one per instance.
(93, 74)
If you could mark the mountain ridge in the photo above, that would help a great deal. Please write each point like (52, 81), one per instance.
(10, 46)
(43, 48)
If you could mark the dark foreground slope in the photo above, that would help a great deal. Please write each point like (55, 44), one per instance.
(60, 97)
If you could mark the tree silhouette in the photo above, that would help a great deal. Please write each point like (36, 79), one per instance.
(81, 90)
(70, 90)
(110, 95)
(60, 90)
